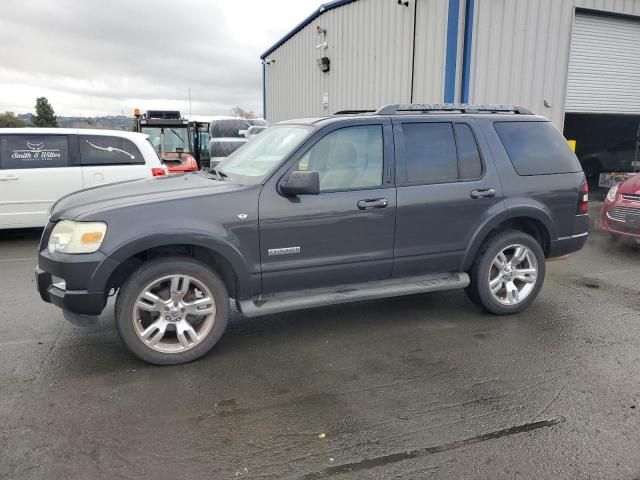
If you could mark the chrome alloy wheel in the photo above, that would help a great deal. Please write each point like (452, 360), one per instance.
(174, 313)
(513, 274)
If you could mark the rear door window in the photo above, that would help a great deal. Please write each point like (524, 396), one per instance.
(108, 150)
(536, 148)
(33, 151)
(440, 152)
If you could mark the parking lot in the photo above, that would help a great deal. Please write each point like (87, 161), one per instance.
(419, 387)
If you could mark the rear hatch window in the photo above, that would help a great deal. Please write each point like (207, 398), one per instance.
(537, 148)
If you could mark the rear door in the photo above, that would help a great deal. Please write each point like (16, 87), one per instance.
(35, 170)
(109, 159)
(343, 235)
(445, 192)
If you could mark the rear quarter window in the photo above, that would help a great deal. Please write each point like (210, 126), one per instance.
(107, 150)
(536, 148)
(33, 151)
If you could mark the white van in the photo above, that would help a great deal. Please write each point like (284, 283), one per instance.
(40, 165)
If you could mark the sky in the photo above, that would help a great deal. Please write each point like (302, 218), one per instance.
(107, 57)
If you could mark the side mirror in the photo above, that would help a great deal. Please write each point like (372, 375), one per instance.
(300, 182)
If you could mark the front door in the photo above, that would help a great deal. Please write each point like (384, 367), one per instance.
(346, 233)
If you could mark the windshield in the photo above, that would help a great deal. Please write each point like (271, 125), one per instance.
(251, 162)
(174, 137)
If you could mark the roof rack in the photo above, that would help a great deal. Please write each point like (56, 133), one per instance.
(353, 112)
(394, 109)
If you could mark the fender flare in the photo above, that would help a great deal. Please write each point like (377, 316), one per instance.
(184, 237)
(539, 213)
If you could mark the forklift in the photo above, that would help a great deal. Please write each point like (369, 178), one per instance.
(171, 136)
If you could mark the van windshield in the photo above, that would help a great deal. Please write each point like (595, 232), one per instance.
(264, 152)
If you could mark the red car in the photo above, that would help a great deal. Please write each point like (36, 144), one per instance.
(621, 210)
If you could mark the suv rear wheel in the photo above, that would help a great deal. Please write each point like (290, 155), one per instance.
(172, 310)
(508, 273)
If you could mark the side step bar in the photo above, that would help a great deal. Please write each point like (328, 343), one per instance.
(355, 292)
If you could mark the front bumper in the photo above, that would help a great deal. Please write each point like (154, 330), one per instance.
(619, 225)
(75, 294)
(81, 302)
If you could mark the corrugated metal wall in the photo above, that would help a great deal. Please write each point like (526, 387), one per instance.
(520, 54)
(521, 51)
(369, 45)
(431, 34)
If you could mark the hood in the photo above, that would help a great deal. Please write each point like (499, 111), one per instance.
(122, 194)
(631, 186)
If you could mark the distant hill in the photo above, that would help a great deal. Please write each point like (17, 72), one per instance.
(118, 122)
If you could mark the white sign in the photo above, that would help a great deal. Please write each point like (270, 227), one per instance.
(325, 101)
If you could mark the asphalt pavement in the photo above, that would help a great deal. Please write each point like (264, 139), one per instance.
(420, 387)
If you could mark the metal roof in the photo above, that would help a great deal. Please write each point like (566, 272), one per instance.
(323, 8)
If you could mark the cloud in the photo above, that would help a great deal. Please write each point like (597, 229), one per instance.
(97, 57)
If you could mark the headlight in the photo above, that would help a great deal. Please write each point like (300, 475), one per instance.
(611, 196)
(77, 237)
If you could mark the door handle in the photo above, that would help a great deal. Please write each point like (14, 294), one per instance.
(483, 193)
(8, 177)
(374, 203)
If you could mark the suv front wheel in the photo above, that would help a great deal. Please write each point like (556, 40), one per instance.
(172, 310)
(508, 273)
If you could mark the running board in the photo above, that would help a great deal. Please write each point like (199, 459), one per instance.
(355, 292)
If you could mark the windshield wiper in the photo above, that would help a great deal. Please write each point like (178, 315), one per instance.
(219, 175)
(177, 135)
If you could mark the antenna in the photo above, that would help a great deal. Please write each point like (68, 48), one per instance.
(189, 103)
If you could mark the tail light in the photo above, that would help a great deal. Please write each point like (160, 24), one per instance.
(583, 202)
(158, 172)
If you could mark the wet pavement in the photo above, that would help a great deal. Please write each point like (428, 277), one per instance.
(423, 387)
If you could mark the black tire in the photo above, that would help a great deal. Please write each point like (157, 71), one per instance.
(148, 273)
(478, 290)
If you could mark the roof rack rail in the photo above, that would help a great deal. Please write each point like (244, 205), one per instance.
(393, 109)
(353, 112)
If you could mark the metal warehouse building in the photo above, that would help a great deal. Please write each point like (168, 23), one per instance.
(575, 61)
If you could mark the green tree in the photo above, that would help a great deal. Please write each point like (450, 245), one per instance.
(45, 116)
(9, 120)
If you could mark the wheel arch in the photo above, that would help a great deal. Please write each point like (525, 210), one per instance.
(530, 220)
(222, 257)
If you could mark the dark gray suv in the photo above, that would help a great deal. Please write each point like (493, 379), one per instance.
(355, 206)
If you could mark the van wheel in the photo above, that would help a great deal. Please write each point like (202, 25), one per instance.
(508, 273)
(172, 310)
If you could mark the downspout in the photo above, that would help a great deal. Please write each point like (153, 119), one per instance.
(413, 52)
(451, 52)
(466, 51)
(264, 91)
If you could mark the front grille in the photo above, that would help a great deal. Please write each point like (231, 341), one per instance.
(633, 198)
(620, 214)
